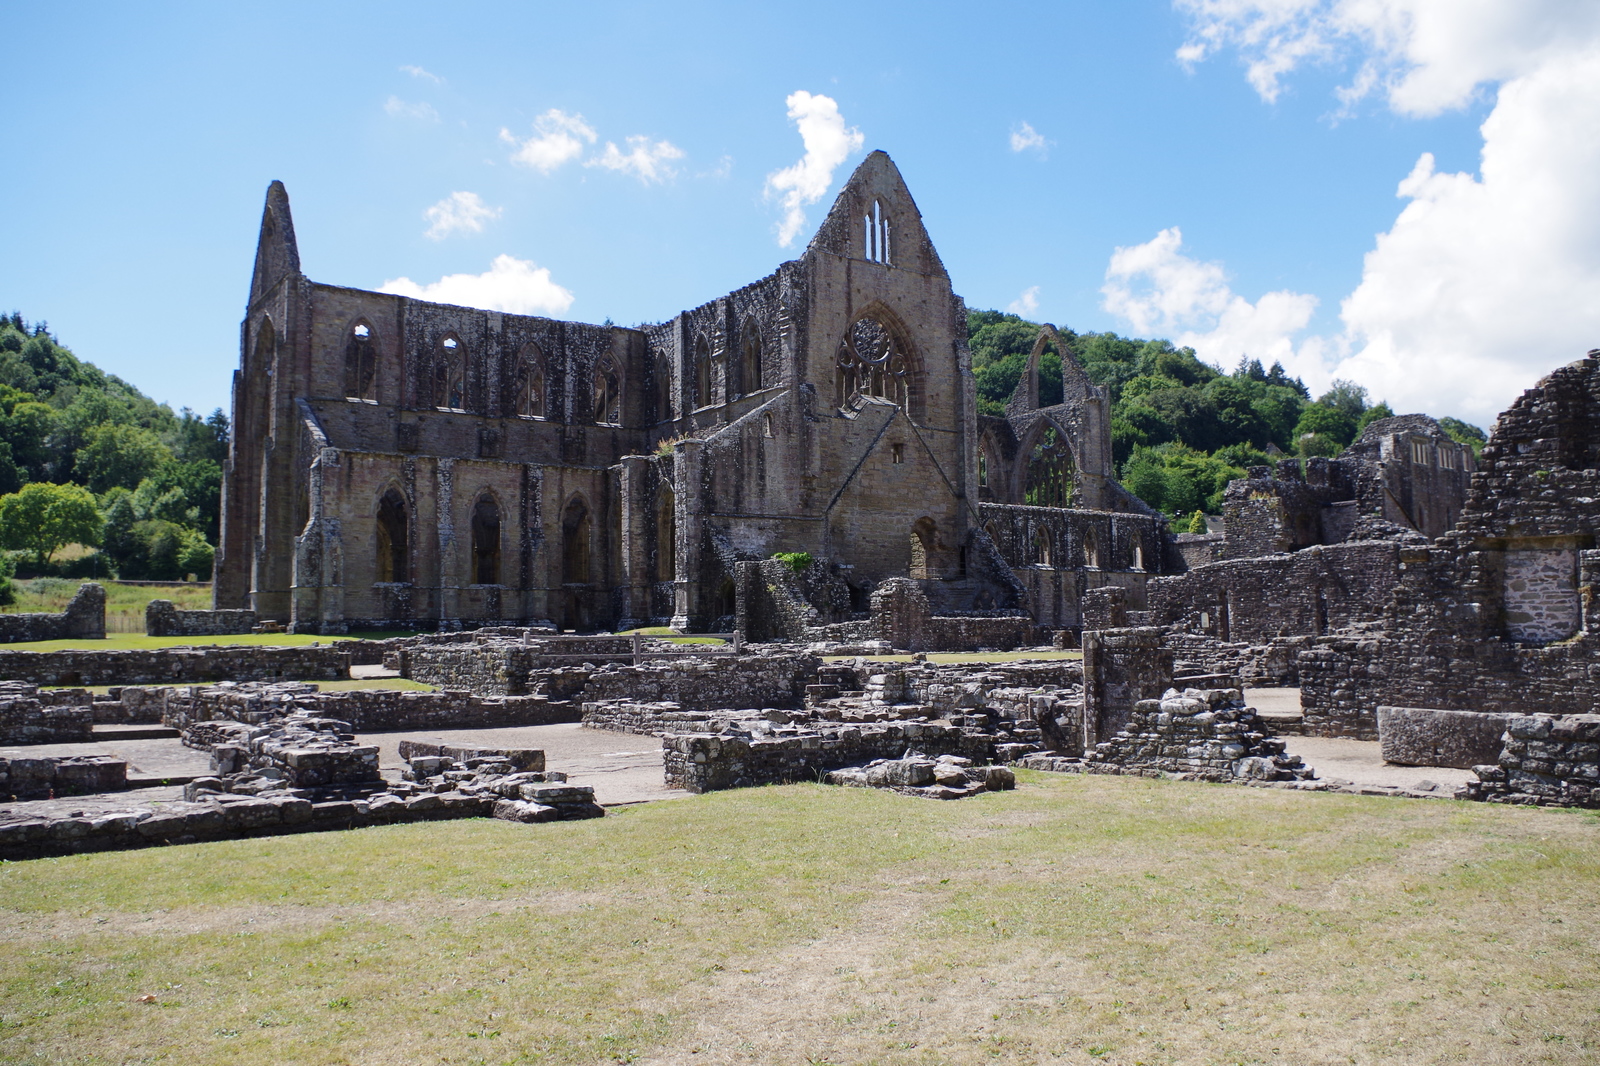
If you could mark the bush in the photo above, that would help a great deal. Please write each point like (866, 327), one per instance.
(798, 561)
(157, 550)
(8, 591)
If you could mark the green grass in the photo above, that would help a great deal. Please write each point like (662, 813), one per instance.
(1078, 919)
(123, 602)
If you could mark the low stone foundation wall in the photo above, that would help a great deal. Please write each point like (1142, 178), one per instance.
(1205, 735)
(65, 775)
(754, 680)
(365, 710)
(176, 665)
(1424, 736)
(707, 762)
(84, 618)
(162, 619)
(1547, 761)
(25, 719)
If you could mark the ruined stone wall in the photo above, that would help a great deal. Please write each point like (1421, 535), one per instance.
(1204, 735)
(1546, 762)
(84, 618)
(1257, 600)
(176, 665)
(701, 762)
(162, 619)
(365, 710)
(1120, 668)
(708, 684)
(24, 719)
(64, 775)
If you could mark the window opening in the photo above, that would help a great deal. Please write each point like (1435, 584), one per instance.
(750, 349)
(1091, 551)
(531, 401)
(875, 230)
(1041, 548)
(702, 373)
(663, 391)
(486, 542)
(666, 536)
(983, 470)
(575, 544)
(449, 388)
(1049, 472)
(766, 425)
(361, 364)
(922, 541)
(607, 393)
(392, 555)
(871, 363)
(897, 452)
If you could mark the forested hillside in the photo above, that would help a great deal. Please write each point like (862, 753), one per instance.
(87, 459)
(1181, 428)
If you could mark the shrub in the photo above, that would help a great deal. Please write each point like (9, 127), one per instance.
(797, 561)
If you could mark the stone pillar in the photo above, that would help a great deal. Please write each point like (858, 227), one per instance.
(449, 566)
(1120, 668)
(900, 614)
(635, 504)
(688, 501)
(317, 594)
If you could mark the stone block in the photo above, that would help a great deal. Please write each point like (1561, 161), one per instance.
(1422, 736)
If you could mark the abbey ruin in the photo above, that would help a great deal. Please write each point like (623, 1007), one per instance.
(800, 467)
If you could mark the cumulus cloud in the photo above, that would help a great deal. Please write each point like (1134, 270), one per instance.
(399, 108)
(828, 142)
(423, 75)
(1485, 281)
(558, 138)
(1162, 292)
(513, 285)
(646, 160)
(1027, 303)
(1025, 137)
(460, 212)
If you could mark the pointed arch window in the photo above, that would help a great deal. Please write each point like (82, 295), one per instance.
(575, 544)
(393, 558)
(872, 361)
(664, 403)
(923, 538)
(361, 363)
(1041, 547)
(1049, 471)
(607, 392)
(875, 235)
(531, 399)
(750, 357)
(486, 541)
(702, 372)
(449, 374)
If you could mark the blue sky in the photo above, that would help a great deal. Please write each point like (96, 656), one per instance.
(143, 140)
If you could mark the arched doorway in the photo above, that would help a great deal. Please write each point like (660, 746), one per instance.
(486, 542)
(924, 537)
(575, 544)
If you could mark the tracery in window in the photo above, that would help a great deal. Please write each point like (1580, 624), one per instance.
(607, 392)
(393, 558)
(750, 357)
(530, 402)
(449, 374)
(361, 364)
(1049, 472)
(871, 362)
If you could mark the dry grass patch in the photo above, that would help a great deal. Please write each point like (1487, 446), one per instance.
(1076, 920)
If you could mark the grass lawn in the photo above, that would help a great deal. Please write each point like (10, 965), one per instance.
(1078, 919)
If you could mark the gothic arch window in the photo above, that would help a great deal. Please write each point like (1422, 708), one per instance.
(607, 392)
(872, 361)
(449, 373)
(1049, 481)
(983, 470)
(1091, 550)
(666, 536)
(266, 347)
(575, 543)
(924, 536)
(702, 372)
(750, 357)
(1041, 547)
(393, 558)
(875, 235)
(361, 363)
(663, 391)
(531, 397)
(486, 541)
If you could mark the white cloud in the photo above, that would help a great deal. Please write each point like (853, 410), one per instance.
(513, 285)
(1485, 281)
(828, 143)
(558, 138)
(1162, 292)
(401, 109)
(646, 161)
(424, 75)
(460, 212)
(1027, 303)
(1025, 137)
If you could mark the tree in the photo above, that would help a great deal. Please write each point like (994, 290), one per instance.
(1328, 422)
(119, 455)
(1464, 433)
(41, 517)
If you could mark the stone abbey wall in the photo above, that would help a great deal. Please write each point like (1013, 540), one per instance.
(83, 618)
(167, 666)
(162, 619)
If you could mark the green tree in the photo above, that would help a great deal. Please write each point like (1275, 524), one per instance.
(41, 517)
(1464, 433)
(1326, 421)
(119, 455)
